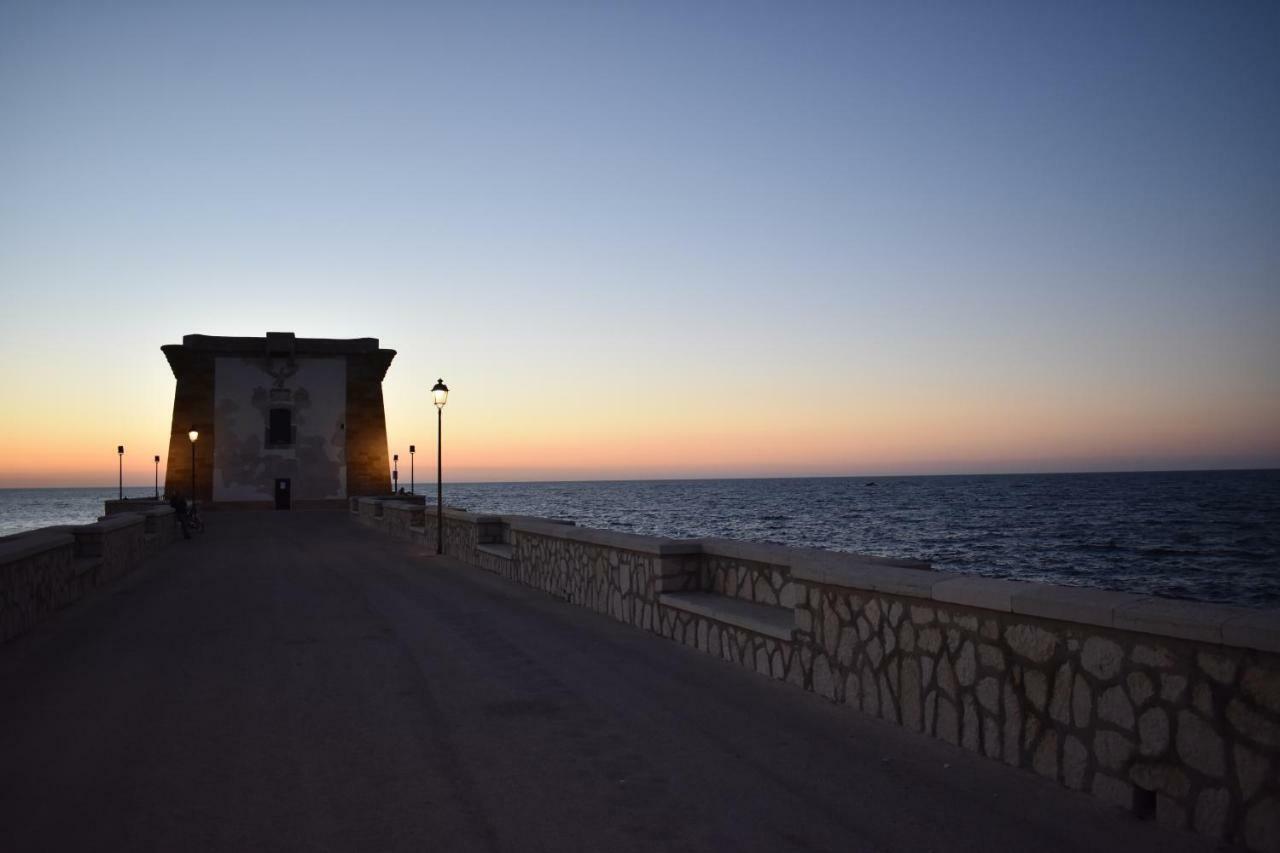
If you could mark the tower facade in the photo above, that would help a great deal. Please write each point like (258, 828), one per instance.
(282, 421)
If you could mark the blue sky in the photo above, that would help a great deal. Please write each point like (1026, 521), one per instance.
(1059, 216)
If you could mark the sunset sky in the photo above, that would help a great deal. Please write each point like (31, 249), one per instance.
(657, 239)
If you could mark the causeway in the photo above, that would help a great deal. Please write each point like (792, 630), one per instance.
(294, 681)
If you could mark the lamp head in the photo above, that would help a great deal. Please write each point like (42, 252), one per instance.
(412, 449)
(120, 449)
(395, 457)
(440, 393)
(157, 458)
(193, 434)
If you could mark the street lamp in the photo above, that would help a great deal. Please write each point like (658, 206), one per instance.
(411, 450)
(157, 477)
(395, 472)
(439, 395)
(120, 453)
(193, 434)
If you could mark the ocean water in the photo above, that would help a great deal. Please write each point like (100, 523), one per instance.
(1211, 535)
(1207, 535)
(27, 509)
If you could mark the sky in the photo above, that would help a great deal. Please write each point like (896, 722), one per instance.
(652, 239)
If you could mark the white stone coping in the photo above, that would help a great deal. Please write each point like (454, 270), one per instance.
(607, 538)
(106, 524)
(1219, 624)
(497, 549)
(23, 545)
(401, 506)
(788, 556)
(776, 622)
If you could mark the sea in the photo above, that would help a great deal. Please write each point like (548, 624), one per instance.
(1204, 535)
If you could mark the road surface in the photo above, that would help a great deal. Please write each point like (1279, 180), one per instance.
(292, 681)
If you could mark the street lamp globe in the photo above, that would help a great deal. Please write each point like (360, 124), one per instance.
(440, 393)
(193, 434)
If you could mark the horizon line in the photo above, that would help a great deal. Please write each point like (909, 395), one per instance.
(779, 477)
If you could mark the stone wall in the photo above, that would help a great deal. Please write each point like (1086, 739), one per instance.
(367, 461)
(1168, 709)
(44, 570)
(192, 407)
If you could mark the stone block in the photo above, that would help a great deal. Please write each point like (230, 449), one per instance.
(1251, 770)
(1031, 642)
(1262, 686)
(1072, 604)
(1081, 702)
(1060, 705)
(988, 693)
(1012, 725)
(1101, 658)
(1153, 656)
(909, 693)
(1140, 688)
(1045, 759)
(823, 683)
(1253, 725)
(1188, 620)
(1172, 687)
(970, 736)
(1153, 732)
(1112, 749)
(988, 593)
(1114, 707)
(1075, 762)
(1200, 746)
(1036, 687)
(966, 665)
(1220, 668)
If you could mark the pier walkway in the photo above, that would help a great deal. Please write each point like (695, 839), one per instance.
(292, 681)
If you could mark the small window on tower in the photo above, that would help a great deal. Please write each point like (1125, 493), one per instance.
(280, 427)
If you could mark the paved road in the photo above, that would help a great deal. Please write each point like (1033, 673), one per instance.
(295, 682)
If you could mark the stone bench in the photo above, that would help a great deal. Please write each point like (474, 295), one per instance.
(497, 549)
(776, 622)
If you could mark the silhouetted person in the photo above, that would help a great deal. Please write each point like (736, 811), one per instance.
(179, 505)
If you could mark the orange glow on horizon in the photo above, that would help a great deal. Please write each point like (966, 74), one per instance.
(504, 430)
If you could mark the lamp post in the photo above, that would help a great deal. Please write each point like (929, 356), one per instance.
(395, 472)
(411, 450)
(157, 477)
(440, 394)
(193, 434)
(120, 453)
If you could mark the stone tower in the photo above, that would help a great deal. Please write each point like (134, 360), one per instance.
(283, 421)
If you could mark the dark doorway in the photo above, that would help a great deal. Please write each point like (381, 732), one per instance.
(282, 494)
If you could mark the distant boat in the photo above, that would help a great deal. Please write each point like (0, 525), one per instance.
(868, 483)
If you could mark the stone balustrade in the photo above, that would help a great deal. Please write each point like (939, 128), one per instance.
(46, 569)
(1170, 709)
